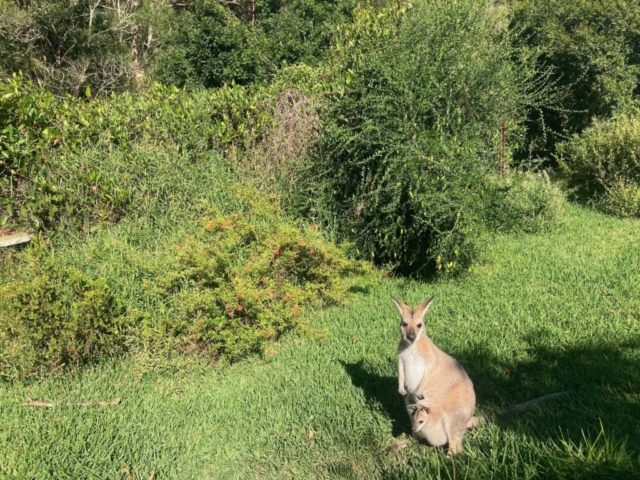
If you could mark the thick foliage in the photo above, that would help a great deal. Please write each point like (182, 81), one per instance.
(110, 45)
(150, 162)
(213, 43)
(72, 45)
(593, 49)
(245, 278)
(53, 316)
(603, 164)
(405, 156)
(45, 176)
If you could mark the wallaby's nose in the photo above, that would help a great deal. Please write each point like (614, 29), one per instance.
(411, 336)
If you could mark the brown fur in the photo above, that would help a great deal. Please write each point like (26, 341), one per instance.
(426, 372)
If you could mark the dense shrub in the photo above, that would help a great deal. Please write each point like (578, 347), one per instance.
(593, 50)
(215, 43)
(210, 47)
(622, 199)
(524, 203)
(408, 145)
(603, 163)
(53, 316)
(246, 278)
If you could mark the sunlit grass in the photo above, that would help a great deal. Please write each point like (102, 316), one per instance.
(542, 313)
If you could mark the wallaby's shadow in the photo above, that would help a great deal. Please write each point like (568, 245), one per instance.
(381, 392)
(599, 377)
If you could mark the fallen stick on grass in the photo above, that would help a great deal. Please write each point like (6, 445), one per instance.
(113, 402)
(36, 403)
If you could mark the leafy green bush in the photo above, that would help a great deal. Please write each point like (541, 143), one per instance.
(53, 316)
(215, 43)
(407, 146)
(603, 163)
(524, 203)
(593, 50)
(622, 199)
(210, 47)
(244, 279)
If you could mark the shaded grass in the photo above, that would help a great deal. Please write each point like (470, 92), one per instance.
(544, 313)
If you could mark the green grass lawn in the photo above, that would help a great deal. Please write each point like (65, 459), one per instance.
(542, 314)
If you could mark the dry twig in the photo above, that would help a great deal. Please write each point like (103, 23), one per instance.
(36, 403)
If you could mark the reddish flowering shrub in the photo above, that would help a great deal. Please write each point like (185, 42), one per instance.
(245, 279)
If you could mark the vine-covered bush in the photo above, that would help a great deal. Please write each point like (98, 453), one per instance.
(43, 182)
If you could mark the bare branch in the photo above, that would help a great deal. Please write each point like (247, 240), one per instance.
(92, 11)
(36, 403)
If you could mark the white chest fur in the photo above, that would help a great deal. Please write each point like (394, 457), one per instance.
(415, 367)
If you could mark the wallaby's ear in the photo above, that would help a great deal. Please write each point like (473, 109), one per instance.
(401, 306)
(413, 408)
(423, 307)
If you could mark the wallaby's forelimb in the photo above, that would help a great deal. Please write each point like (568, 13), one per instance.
(401, 389)
(515, 409)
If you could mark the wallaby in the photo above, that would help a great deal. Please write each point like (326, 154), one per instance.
(438, 392)
(426, 371)
(423, 417)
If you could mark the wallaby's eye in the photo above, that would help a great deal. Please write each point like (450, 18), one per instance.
(404, 324)
(419, 325)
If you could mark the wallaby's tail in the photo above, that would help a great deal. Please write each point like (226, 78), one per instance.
(475, 420)
(398, 446)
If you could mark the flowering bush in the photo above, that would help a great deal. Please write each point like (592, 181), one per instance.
(245, 278)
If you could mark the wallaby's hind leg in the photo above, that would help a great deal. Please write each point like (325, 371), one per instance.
(475, 420)
(456, 427)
